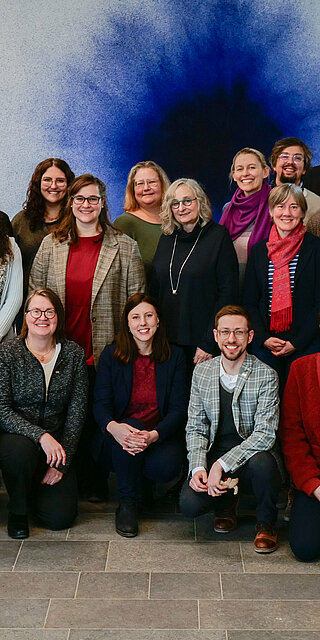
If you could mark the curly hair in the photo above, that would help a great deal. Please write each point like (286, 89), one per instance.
(34, 205)
(67, 229)
(169, 223)
(6, 254)
(130, 203)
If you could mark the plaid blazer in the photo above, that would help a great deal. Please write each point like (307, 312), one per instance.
(255, 408)
(118, 275)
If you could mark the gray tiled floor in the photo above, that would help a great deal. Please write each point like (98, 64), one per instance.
(176, 581)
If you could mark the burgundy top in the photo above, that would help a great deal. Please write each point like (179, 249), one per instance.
(81, 265)
(143, 403)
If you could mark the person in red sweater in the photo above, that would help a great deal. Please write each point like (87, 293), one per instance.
(300, 438)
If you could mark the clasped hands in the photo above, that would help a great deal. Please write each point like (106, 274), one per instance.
(56, 455)
(279, 347)
(131, 439)
(211, 484)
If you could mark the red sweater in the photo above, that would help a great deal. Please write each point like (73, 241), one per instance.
(300, 423)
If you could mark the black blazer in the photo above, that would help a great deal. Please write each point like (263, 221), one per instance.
(114, 386)
(305, 298)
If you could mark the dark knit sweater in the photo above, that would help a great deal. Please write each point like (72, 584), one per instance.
(24, 409)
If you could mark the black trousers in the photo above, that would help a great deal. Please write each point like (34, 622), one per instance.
(23, 465)
(160, 462)
(260, 476)
(305, 527)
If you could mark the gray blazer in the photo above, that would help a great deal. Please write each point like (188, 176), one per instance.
(255, 408)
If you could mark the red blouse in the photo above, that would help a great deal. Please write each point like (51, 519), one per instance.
(143, 403)
(81, 265)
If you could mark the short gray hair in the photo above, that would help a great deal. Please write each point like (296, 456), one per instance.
(283, 192)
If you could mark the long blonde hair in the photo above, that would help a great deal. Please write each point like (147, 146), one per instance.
(130, 203)
(168, 221)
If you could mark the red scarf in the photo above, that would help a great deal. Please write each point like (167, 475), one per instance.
(281, 251)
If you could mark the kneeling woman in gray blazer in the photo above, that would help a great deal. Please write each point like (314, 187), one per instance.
(140, 407)
(43, 389)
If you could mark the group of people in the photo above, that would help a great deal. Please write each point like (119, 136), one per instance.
(117, 363)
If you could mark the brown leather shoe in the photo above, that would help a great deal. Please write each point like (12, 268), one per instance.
(226, 520)
(266, 540)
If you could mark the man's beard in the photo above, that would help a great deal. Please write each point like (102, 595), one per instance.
(287, 180)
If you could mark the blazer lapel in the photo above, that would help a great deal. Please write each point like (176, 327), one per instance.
(108, 252)
(241, 381)
(60, 259)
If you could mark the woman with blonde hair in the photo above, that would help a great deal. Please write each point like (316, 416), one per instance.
(195, 269)
(146, 185)
(247, 216)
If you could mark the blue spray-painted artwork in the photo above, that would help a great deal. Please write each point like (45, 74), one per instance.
(185, 83)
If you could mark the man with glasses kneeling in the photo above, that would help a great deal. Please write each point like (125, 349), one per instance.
(231, 432)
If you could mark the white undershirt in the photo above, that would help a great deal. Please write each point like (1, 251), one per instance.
(49, 366)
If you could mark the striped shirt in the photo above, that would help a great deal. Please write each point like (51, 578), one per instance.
(292, 271)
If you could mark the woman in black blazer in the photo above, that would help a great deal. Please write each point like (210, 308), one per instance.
(140, 407)
(282, 286)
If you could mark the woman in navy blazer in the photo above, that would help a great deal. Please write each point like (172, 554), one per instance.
(140, 407)
(280, 348)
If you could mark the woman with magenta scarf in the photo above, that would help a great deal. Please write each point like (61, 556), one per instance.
(282, 285)
(247, 216)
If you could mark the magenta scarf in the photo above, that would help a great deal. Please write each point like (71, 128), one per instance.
(242, 211)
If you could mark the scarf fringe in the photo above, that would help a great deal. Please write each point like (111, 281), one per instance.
(281, 320)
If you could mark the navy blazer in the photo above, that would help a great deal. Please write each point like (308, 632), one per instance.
(113, 389)
(305, 298)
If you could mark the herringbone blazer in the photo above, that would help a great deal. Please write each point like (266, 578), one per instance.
(118, 275)
(255, 409)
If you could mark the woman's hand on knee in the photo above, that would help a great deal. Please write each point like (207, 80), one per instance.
(54, 451)
(52, 476)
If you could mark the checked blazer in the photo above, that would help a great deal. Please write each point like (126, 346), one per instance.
(255, 408)
(118, 275)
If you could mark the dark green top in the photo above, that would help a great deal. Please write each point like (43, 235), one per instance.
(29, 242)
(146, 234)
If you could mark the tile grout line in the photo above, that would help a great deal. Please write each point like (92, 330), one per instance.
(242, 560)
(69, 633)
(198, 606)
(107, 558)
(18, 554)
(77, 586)
(149, 586)
(221, 588)
(227, 637)
(68, 534)
(46, 616)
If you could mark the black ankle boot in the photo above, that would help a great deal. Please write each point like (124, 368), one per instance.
(18, 527)
(127, 519)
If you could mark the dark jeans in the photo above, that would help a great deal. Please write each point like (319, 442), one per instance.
(260, 476)
(160, 462)
(23, 465)
(305, 527)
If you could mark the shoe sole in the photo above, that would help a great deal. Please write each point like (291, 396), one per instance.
(266, 550)
(125, 534)
(225, 530)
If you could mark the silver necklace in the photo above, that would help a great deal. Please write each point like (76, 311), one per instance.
(175, 290)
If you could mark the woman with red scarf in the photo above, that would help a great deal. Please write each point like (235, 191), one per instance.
(282, 285)
(247, 216)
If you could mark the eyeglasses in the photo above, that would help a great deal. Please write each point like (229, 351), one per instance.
(82, 199)
(296, 157)
(175, 204)
(51, 180)
(37, 313)
(149, 183)
(238, 333)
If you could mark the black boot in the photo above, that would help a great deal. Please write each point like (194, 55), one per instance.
(127, 519)
(18, 527)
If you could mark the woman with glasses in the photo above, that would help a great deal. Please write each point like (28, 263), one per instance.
(247, 216)
(195, 269)
(93, 268)
(282, 285)
(43, 390)
(10, 282)
(42, 210)
(146, 184)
